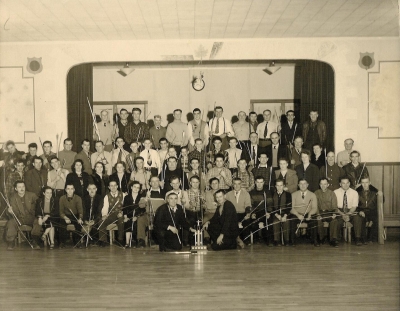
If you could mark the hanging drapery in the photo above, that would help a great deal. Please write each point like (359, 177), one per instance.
(314, 86)
(79, 88)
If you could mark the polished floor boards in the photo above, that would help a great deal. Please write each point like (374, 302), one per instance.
(301, 278)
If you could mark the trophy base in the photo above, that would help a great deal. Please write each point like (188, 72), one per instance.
(198, 249)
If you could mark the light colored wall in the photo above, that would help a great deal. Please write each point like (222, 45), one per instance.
(351, 90)
(168, 89)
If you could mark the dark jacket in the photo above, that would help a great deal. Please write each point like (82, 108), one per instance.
(227, 221)
(368, 200)
(284, 205)
(81, 190)
(35, 180)
(39, 210)
(101, 184)
(95, 214)
(282, 153)
(164, 217)
(124, 186)
(311, 174)
(247, 156)
(289, 134)
(321, 129)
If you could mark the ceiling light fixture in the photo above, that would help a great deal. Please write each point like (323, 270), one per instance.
(126, 70)
(271, 68)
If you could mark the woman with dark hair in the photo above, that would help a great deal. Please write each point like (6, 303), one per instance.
(135, 216)
(121, 177)
(140, 174)
(78, 178)
(100, 178)
(46, 213)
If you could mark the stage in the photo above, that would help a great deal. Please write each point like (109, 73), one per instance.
(255, 278)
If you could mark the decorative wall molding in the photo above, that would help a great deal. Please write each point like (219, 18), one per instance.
(17, 105)
(384, 100)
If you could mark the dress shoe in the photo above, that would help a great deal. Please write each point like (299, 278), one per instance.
(35, 245)
(334, 243)
(316, 243)
(141, 243)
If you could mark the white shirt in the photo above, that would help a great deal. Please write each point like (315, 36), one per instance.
(114, 156)
(272, 127)
(155, 159)
(352, 198)
(225, 126)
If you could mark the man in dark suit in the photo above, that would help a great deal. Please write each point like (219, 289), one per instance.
(168, 221)
(251, 152)
(223, 227)
(22, 210)
(290, 129)
(282, 202)
(36, 178)
(275, 151)
(92, 206)
(84, 155)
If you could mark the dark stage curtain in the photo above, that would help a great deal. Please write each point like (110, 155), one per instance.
(79, 88)
(314, 86)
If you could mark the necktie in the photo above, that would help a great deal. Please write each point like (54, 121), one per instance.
(266, 130)
(217, 127)
(302, 195)
(195, 173)
(149, 162)
(105, 124)
(254, 154)
(274, 147)
(345, 207)
(157, 128)
(298, 151)
(119, 155)
(236, 196)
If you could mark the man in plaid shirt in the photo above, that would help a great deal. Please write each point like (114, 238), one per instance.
(184, 159)
(18, 174)
(137, 130)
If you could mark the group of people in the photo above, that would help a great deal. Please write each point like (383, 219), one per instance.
(235, 182)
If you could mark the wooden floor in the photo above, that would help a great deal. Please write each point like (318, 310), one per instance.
(255, 278)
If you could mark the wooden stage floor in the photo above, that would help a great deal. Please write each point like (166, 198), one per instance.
(301, 278)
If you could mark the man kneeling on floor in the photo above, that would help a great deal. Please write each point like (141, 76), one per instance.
(168, 221)
(223, 227)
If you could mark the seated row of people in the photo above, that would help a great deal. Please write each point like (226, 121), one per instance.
(229, 218)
